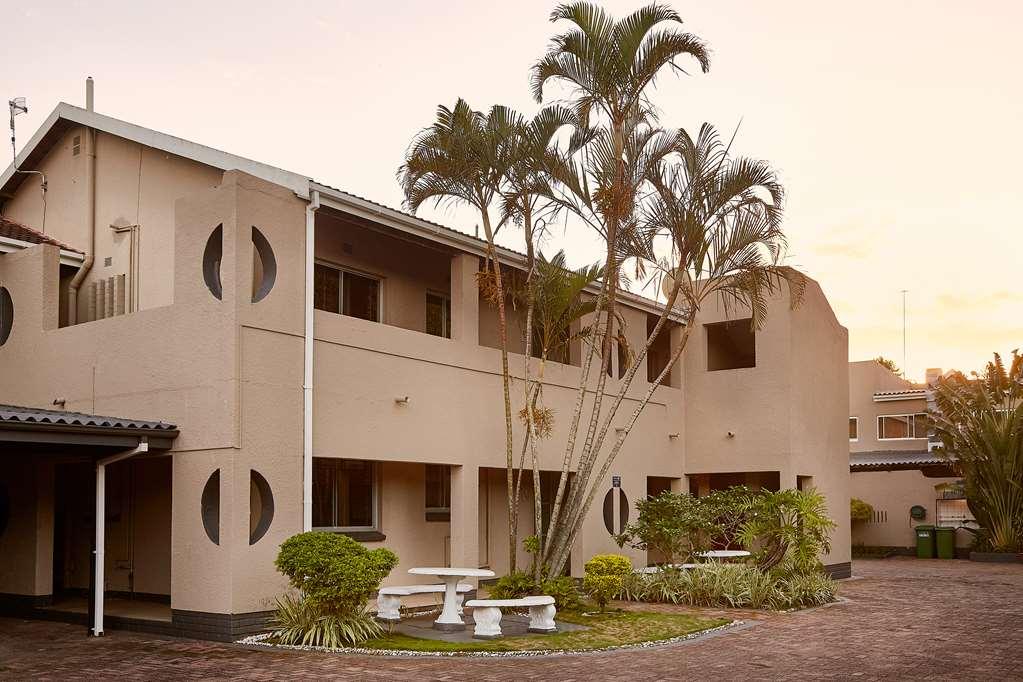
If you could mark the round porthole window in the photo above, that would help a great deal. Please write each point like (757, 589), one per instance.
(609, 514)
(211, 507)
(211, 257)
(264, 266)
(261, 506)
(6, 315)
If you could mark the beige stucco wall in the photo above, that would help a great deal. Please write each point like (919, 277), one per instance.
(787, 414)
(229, 374)
(866, 378)
(894, 492)
(134, 185)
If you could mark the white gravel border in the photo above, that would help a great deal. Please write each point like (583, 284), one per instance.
(260, 640)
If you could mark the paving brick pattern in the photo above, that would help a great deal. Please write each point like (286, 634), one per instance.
(904, 619)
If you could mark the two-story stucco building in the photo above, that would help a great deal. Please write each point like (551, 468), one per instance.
(290, 356)
(893, 463)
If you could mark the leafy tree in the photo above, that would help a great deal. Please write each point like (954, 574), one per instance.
(676, 525)
(790, 526)
(980, 423)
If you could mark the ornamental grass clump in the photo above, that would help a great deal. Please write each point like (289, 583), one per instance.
(335, 577)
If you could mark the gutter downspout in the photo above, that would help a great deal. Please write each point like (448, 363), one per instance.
(101, 516)
(90, 173)
(307, 377)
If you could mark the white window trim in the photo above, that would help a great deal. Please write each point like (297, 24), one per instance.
(911, 415)
(361, 273)
(377, 480)
(857, 438)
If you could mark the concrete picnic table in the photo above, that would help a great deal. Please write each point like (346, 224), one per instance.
(449, 620)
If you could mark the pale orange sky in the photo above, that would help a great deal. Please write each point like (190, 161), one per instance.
(896, 126)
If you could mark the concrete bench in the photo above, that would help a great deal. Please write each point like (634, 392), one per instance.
(389, 598)
(487, 614)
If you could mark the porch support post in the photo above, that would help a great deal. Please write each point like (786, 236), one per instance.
(101, 523)
(465, 552)
(465, 299)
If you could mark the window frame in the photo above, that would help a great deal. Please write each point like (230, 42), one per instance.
(437, 513)
(375, 504)
(857, 438)
(912, 420)
(379, 279)
(445, 313)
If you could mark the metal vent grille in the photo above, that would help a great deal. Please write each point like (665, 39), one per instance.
(76, 145)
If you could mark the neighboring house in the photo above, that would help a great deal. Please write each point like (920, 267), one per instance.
(893, 462)
(305, 358)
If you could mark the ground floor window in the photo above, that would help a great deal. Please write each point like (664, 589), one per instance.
(438, 492)
(344, 494)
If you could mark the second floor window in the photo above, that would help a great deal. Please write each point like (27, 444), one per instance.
(346, 293)
(901, 426)
(438, 315)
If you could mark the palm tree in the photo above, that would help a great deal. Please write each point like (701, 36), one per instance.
(608, 65)
(721, 218)
(464, 157)
(980, 422)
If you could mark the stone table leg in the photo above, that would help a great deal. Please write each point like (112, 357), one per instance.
(449, 620)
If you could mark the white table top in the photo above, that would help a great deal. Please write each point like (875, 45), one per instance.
(723, 553)
(453, 571)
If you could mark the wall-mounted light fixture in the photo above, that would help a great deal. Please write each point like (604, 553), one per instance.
(59, 402)
(731, 434)
(402, 400)
(673, 436)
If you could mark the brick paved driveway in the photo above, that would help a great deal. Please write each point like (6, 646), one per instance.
(905, 618)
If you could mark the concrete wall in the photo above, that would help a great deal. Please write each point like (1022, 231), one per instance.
(787, 414)
(894, 492)
(866, 378)
(134, 185)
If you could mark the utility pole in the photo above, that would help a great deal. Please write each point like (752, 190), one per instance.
(904, 333)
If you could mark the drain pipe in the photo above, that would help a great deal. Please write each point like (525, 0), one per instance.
(307, 377)
(101, 517)
(90, 198)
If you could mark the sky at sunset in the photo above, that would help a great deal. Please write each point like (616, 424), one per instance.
(895, 125)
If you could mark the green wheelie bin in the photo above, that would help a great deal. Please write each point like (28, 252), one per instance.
(924, 541)
(945, 542)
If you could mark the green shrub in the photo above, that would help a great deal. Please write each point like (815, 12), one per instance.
(521, 584)
(299, 620)
(605, 577)
(334, 570)
(565, 592)
(730, 586)
(860, 510)
(336, 577)
(513, 586)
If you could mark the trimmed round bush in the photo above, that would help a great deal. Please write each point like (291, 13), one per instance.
(605, 577)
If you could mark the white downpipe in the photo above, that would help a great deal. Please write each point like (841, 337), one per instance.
(307, 377)
(101, 516)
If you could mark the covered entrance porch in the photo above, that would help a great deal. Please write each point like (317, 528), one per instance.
(61, 471)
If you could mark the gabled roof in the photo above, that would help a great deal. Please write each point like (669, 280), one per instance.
(67, 116)
(11, 229)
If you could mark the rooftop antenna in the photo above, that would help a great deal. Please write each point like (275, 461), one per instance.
(904, 291)
(19, 106)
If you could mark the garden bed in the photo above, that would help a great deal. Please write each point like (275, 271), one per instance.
(597, 632)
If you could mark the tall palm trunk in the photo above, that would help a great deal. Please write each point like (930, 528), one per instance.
(502, 326)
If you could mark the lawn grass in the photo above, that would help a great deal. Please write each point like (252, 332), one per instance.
(614, 628)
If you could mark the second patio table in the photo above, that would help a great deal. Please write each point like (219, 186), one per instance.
(449, 620)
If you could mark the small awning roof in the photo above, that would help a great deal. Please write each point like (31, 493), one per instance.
(882, 460)
(60, 432)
